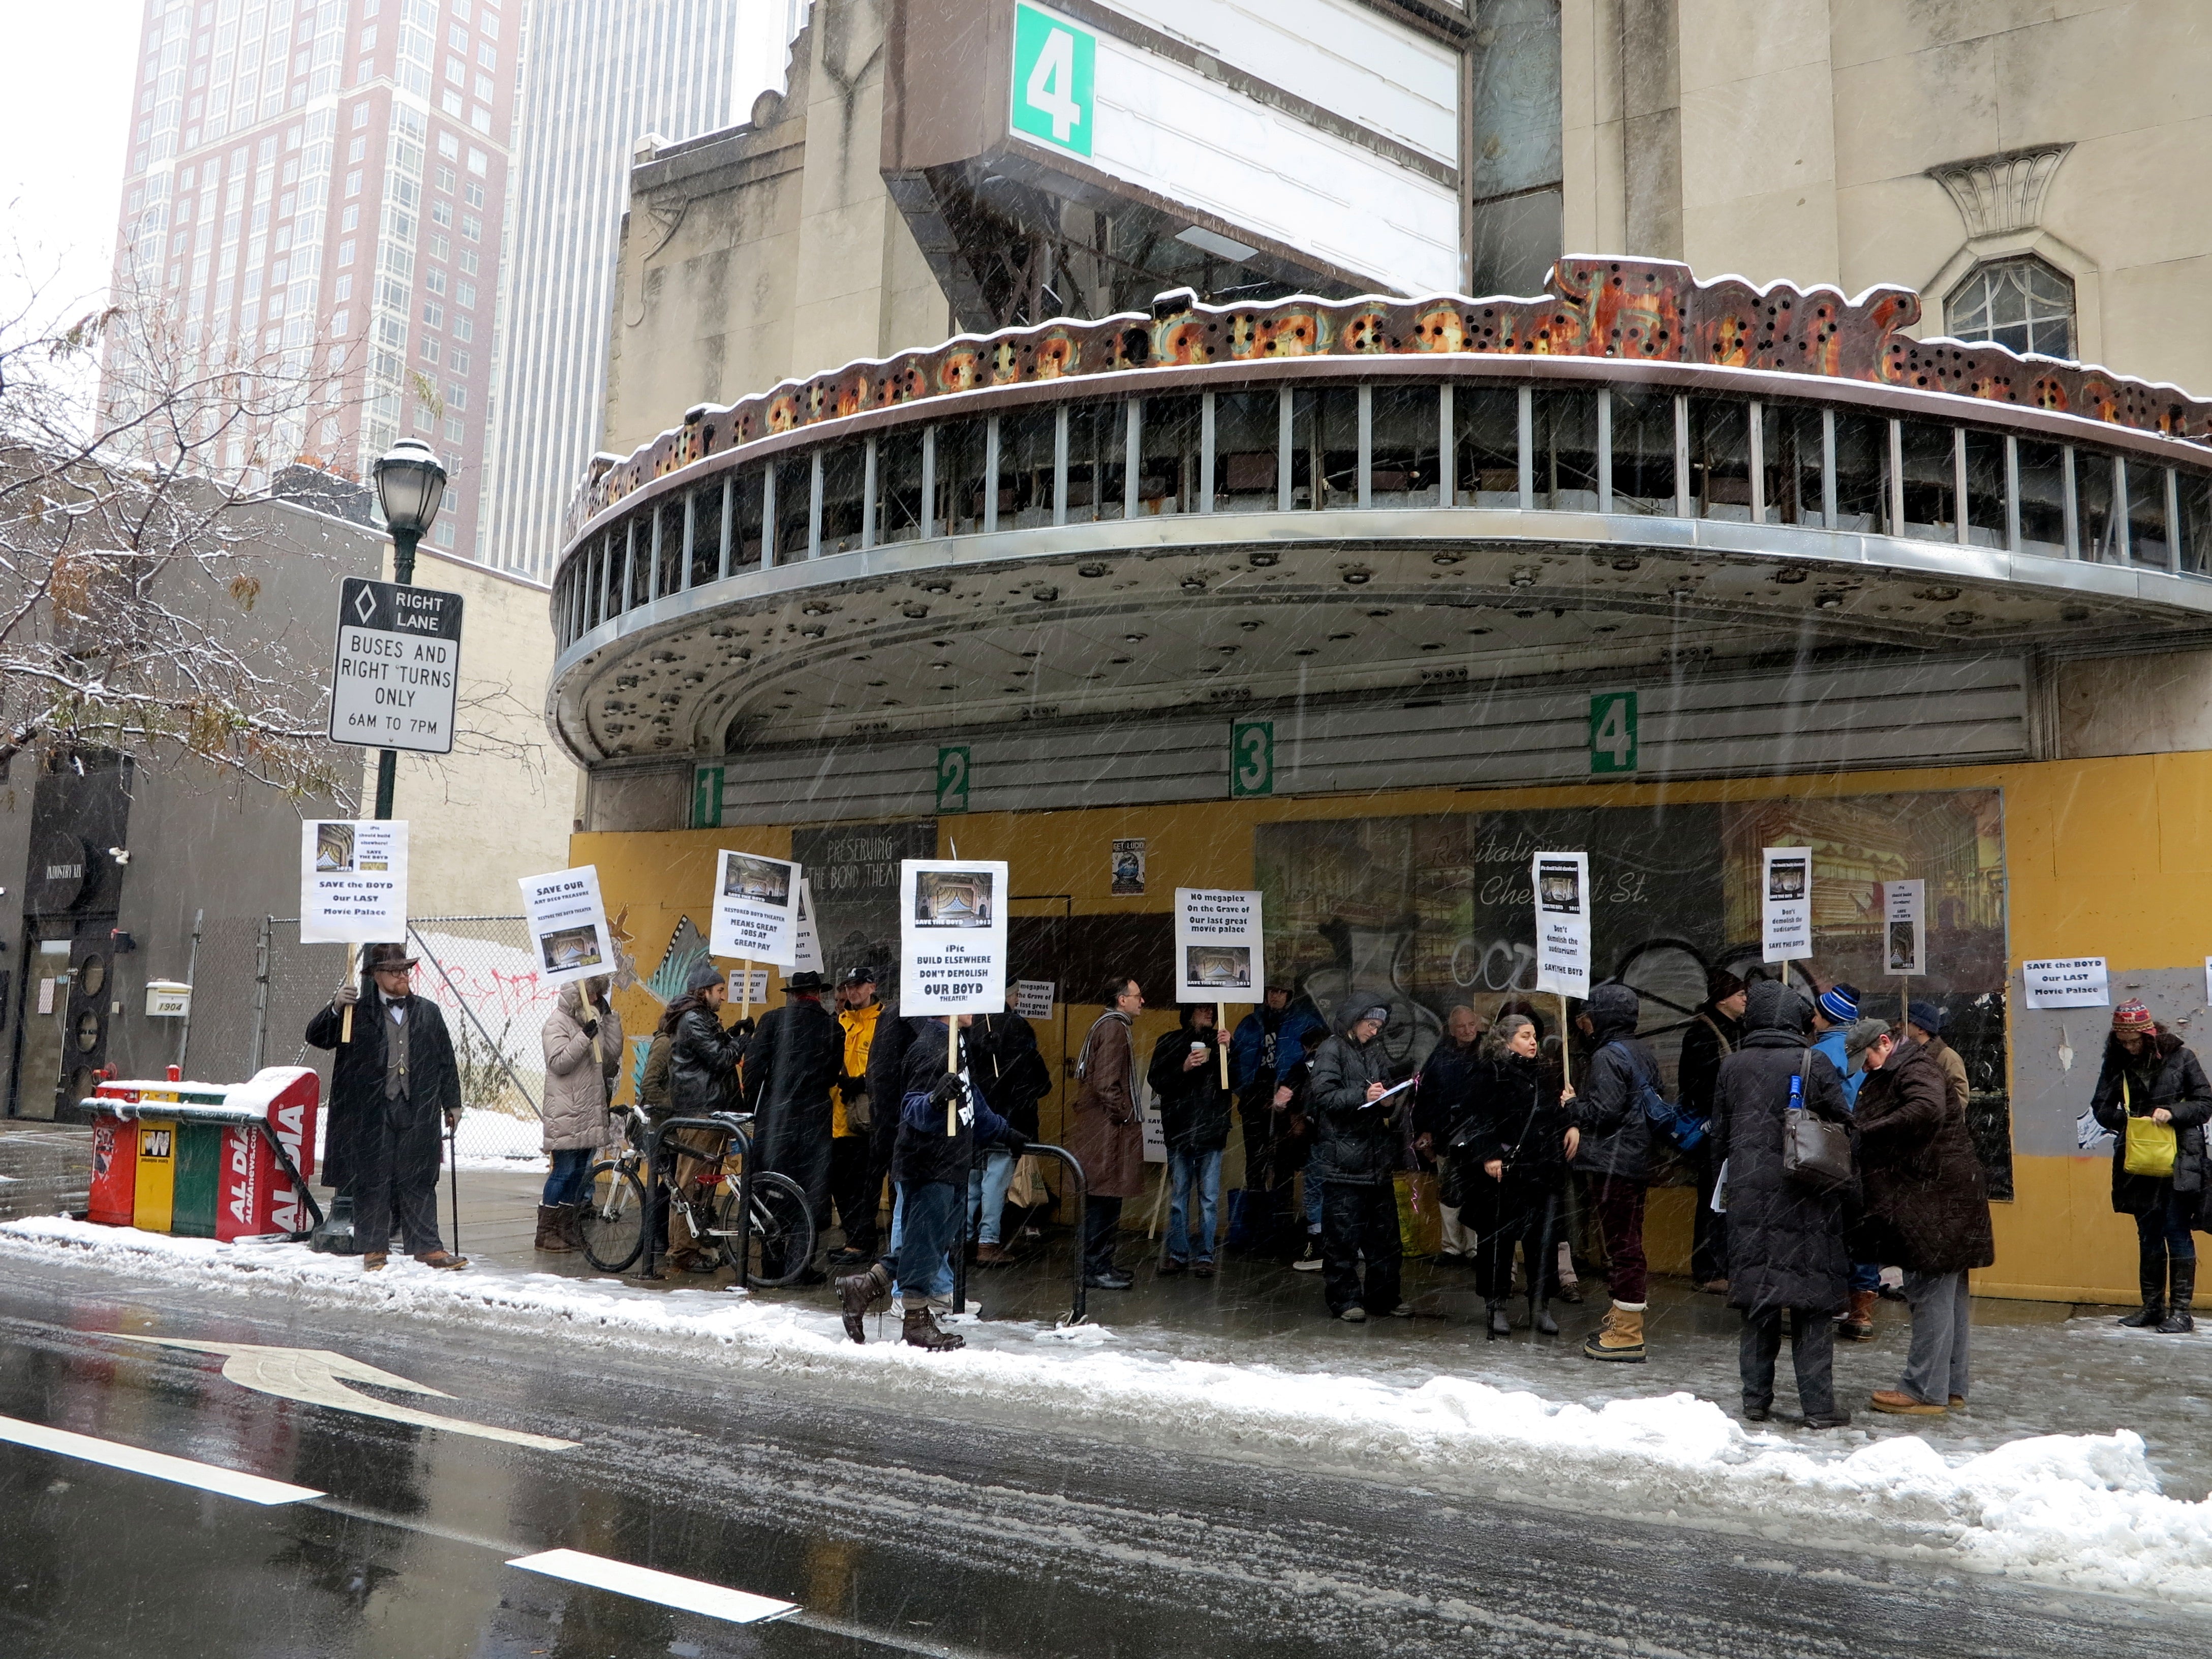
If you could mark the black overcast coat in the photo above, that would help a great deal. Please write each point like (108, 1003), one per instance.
(791, 1063)
(1785, 1245)
(2166, 1074)
(357, 1077)
(1194, 1106)
(1616, 1135)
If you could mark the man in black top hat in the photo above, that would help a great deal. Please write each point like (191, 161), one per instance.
(393, 1087)
(791, 1064)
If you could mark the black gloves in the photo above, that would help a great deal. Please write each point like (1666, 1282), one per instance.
(1014, 1140)
(946, 1092)
(592, 1027)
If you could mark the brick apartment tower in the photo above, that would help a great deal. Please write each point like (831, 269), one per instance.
(327, 179)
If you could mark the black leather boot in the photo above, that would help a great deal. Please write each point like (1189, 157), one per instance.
(1499, 1324)
(859, 1292)
(1540, 1318)
(2152, 1270)
(2177, 1319)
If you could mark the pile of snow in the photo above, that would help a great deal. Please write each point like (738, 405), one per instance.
(2063, 1510)
(498, 1140)
(2076, 1510)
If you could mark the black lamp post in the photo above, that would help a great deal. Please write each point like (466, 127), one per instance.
(410, 485)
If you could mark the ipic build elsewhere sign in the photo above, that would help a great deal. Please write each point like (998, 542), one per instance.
(397, 674)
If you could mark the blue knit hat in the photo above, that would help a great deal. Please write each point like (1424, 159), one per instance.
(1839, 1004)
(1926, 1015)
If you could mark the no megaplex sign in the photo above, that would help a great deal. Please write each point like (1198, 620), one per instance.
(398, 671)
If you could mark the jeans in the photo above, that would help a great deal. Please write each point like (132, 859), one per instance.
(2164, 1234)
(941, 1286)
(566, 1184)
(1942, 1313)
(1812, 1354)
(1357, 1221)
(1102, 1231)
(931, 1229)
(1866, 1275)
(986, 1194)
(1313, 1204)
(1184, 1170)
(1619, 1205)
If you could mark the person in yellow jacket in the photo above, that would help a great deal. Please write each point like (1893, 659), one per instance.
(851, 1118)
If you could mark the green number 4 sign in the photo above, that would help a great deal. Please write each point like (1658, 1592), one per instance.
(1613, 732)
(1053, 62)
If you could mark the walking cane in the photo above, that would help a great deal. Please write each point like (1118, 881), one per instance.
(453, 1180)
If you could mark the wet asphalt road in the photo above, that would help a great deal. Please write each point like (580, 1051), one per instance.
(895, 1533)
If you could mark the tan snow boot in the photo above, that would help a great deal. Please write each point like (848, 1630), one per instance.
(555, 1222)
(1620, 1338)
(1857, 1325)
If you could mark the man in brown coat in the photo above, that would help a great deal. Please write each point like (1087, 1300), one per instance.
(1926, 1211)
(1107, 1133)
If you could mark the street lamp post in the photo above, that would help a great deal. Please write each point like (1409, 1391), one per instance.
(409, 486)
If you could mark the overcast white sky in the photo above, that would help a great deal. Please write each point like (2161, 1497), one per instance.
(62, 133)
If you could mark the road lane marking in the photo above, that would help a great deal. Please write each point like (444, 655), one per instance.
(136, 1460)
(686, 1594)
(316, 1376)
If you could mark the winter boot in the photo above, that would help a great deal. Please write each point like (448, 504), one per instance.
(555, 1222)
(1620, 1338)
(2177, 1319)
(1857, 1325)
(1540, 1318)
(572, 1225)
(861, 1291)
(1499, 1324)
(2151, 1270)
(922, 1332)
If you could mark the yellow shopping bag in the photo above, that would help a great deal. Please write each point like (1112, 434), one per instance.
(2151, 1146)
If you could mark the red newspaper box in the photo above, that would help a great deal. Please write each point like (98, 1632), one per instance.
(201, 1159)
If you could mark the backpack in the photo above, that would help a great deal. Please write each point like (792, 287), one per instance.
(653, 1084)
(1683, 1129)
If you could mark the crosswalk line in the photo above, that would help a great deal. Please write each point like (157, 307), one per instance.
(687, 1595)
(137, 1459)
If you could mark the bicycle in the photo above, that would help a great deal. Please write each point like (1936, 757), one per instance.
(612, 1220)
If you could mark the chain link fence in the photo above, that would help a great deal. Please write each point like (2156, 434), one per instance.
(256, 986)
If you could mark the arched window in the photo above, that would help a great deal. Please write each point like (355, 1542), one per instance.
(2022, 303)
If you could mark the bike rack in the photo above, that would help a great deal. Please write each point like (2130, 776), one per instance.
(1076, 1315)
(656, 1207)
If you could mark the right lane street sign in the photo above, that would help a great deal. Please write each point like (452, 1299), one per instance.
(399, 667)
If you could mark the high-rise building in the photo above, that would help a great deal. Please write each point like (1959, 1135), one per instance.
(324, 181)
(602, 74)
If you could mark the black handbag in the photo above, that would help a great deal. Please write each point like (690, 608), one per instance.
(1815, 1153)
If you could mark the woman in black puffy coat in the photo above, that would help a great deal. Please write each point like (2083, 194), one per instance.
(1513, 1142)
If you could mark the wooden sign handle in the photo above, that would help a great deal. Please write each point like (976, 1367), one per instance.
(1221, 1038)
(953, 1069)
(353, 975)
(1566, 1044)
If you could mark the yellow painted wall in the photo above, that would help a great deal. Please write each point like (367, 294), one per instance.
(2105, 857)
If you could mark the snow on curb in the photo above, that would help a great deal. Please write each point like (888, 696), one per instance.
(2077, 1510)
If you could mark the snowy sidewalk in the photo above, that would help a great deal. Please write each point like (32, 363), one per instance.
(1997, 1491)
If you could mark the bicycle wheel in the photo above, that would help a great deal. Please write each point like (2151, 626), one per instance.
(782, 1244)
(611, 1219)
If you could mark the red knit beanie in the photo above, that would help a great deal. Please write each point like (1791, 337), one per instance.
(2133, 1017)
